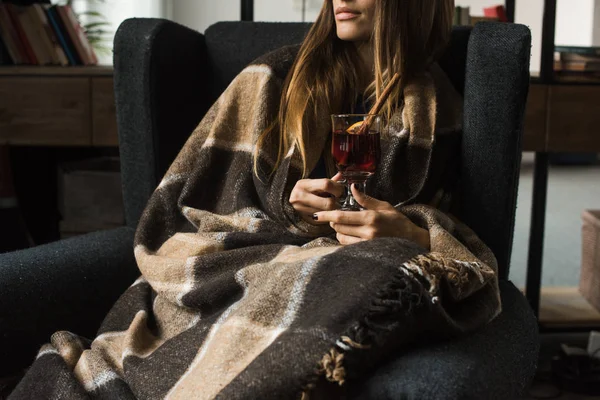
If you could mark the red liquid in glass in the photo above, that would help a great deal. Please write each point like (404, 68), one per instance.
(356, 154)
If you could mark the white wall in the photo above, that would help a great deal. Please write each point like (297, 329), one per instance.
(531, 14)
(200, 14)
(286, 10)
(574, 22)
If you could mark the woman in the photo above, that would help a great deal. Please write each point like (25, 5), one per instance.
(371, 56)
(253, 285)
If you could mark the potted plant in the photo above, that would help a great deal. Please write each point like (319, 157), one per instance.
(95, 25)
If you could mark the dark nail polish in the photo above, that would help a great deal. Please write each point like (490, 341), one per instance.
(315, 217)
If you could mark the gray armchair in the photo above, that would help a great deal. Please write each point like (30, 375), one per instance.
(166, 78)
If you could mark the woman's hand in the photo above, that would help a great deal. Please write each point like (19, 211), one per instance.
(380, 219)
(310, 196)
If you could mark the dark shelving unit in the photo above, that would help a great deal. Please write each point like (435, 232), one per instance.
(247, 10)
(540, 176)
(541, 167)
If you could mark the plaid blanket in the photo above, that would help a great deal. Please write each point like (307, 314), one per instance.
(240, 298)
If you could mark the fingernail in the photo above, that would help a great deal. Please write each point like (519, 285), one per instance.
(315, 217)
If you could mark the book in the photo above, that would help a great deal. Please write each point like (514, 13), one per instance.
(78, 36)
(62, 36)
(581, 66)
(50, 37)
(465, 16)
(27, 2)
(26, 46)
(42, 35)
(11, 42)
(462, 16)
(456, 16)
(498, 12)
(584, 51)
(576, 57)
(33, 37)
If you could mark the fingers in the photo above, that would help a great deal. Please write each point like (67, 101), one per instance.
(365, 232)
(319, 186)
(309, 211)
(304, 201)
(338, 177)
(369, 202)
(306, 217)
(310, 196)
(347, 240)
(344, 217)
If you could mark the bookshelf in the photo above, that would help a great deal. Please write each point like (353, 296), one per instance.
(39, 33)
(55, 70)
(567, 118)
(510, 10)
(57, 106)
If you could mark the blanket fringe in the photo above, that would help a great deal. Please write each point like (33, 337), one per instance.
(400, 295)
(333, 367)
(355, 345)
(306, 392)
(416, 278)
(434, 266)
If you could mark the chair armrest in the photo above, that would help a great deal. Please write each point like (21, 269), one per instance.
(66, 285)
(496, 88)
(160, 72)
(497, 361)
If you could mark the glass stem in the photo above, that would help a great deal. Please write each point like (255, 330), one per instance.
(350, 203)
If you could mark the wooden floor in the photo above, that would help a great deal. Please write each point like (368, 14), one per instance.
(565, 307)
(561, 307)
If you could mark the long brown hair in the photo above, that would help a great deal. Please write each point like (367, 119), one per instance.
(408, 35)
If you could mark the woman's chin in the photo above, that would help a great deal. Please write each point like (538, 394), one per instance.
(350, 34)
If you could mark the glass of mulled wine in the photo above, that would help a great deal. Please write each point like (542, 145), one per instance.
(356, 151)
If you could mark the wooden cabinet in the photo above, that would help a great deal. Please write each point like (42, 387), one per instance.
(75, 106)
(57, 106)
(534, 132)
(574, 118)
(562, 118)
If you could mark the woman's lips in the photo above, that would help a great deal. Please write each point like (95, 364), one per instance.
(345, 15)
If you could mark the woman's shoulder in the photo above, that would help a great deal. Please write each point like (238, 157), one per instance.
(279, 61)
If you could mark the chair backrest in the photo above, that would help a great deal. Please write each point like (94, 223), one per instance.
(233, 45)
(488, 64)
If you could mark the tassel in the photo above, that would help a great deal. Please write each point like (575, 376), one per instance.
(355, 345)
(332, 366)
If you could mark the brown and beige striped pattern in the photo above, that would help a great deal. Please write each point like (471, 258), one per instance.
(239, 298)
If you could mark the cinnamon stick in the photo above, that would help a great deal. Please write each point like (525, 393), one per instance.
(364, 128)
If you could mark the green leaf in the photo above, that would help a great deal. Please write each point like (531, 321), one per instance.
(97, 33)
(93, 25)
(97, 39)
(92, 14)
